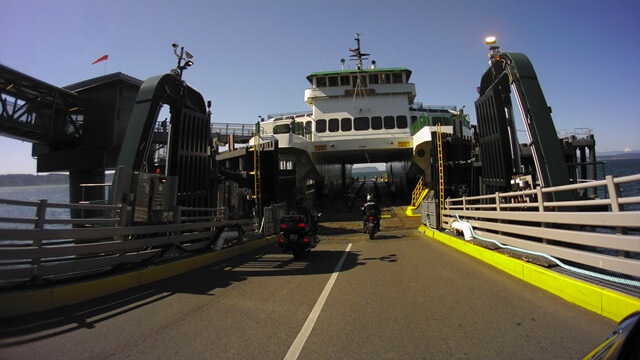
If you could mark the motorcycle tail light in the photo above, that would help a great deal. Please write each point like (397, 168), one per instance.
(302, 225)
(282, 240)
(370, 218)
(306, 240)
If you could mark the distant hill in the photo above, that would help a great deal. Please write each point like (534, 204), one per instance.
(38, 180)
(33, 180)
(612, 155)
(366, 169)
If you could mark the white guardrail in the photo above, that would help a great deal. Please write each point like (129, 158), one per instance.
(601, 234)
(46, 246)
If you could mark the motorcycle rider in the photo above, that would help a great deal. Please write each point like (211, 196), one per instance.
(370, 208)
(303, 210)
(350, 199)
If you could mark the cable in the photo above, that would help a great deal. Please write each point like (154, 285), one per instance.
(560, 263)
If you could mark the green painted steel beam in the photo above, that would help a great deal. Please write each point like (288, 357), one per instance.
(154, 92)
(516, 70)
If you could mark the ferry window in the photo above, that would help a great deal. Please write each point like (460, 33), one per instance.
(413, 119)
(321, 81)
(376, 123)
(286, 165)
(373, 79)
(389, 122)
(401, 122)
(281, 129)
(396, 77)
(344, 80)
(435, 120)
(307, 130)
(345, 124)
(359, 80)
(333, 80)
(385, 78)
(333, 125)
(361, 123)
(321, 125)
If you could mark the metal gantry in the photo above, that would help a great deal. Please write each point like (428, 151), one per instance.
(32, 110)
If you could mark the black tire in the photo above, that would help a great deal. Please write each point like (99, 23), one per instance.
(372, 232)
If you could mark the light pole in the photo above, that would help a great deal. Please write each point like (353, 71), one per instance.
(182, 56)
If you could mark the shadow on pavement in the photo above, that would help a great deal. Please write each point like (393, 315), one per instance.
(266, 261)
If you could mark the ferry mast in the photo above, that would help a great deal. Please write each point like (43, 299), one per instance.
(358, 56)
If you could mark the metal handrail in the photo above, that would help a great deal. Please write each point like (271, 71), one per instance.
(28, 254)
(609, 181)
(605, 235)
(233, 129)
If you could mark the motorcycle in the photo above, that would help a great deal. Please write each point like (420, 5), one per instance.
(297, 235)
(372, 225)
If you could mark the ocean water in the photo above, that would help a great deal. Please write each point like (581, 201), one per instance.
(52, 193)
(619, 168)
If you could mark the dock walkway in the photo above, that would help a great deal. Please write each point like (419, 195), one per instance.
(401, 295)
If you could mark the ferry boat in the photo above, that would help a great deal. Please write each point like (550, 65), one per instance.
(537, 201)
(366, 114)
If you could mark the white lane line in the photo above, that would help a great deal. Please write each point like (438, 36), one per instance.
(298, 343)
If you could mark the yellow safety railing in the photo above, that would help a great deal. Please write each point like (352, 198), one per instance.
(416, 197)
(416, 193)
(440, 171)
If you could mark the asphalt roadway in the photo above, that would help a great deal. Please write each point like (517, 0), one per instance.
(399, 296)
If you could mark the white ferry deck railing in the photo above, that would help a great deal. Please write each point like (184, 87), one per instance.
(596, 233)
(289, 115)
(233, 129)
(43, 247)
(577, 132)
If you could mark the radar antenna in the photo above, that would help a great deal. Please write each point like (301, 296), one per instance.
(357, 54)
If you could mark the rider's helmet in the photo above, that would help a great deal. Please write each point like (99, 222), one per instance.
(369, 197)
(299, 201)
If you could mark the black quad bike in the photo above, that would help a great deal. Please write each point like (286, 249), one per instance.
(297, 235)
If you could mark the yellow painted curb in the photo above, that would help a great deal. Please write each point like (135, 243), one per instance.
(22, 302)
(603, 301)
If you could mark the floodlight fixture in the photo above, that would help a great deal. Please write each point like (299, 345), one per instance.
(490, 40)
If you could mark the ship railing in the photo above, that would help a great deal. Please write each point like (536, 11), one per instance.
(289, 115)
(418, 106)
(580, 133)
(448, 121)
(191, 214)
(420, 123)
(46, 246)
(233, 129)
(41, 221)
(601, 233)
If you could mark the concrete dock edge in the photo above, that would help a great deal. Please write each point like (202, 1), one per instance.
(603, 301)
(20, 302)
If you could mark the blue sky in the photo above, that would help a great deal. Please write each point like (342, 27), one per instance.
(252, 57)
